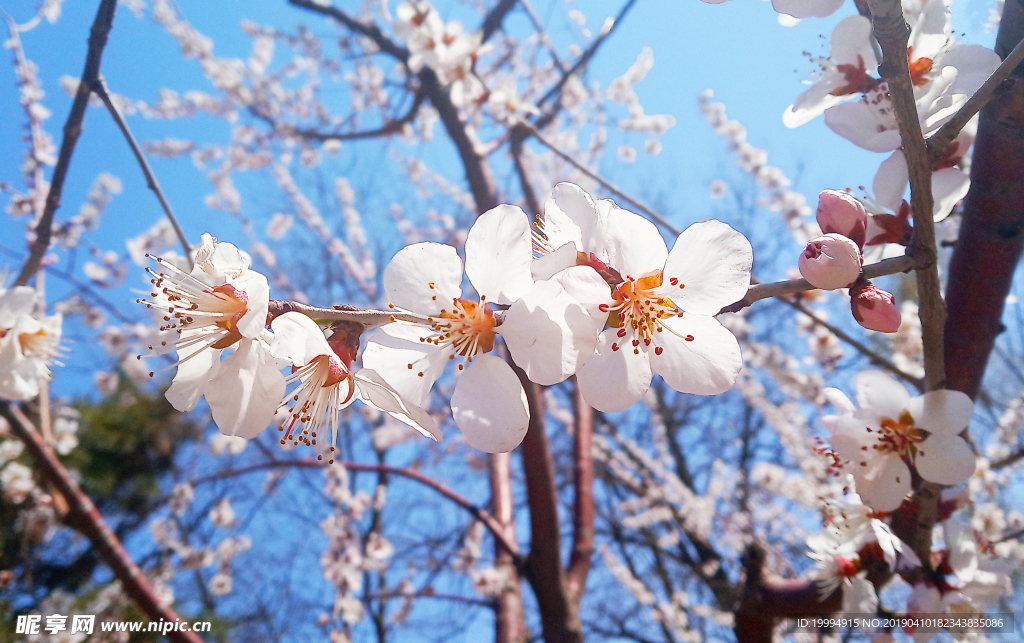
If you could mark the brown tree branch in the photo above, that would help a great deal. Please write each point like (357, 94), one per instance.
(892, 33)
(86, 519)
(992, 230)
(369, 30)
(368, 318)
(391, 126)
(99, 87)
(492, 524)
(509, 618)
(583, 503)
(1011, 459)
(72, 130)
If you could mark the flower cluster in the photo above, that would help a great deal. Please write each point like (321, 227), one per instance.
(834, 260)
(591, 291)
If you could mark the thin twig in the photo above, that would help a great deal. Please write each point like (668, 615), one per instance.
(391, 126)
(412, 474)
(85, 518)
(1013, 458)
(940, 140)
(756, 292)
(608, 185)
(368, 318)
(892, 32)
(99, 87)
(72, 130)
(872, 356)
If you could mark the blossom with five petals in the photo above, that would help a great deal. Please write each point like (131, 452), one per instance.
(27, 345)
(891, 430)
(550, 326)
(661, 320)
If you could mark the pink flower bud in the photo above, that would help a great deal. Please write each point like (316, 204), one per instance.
(831, 261)
(875, 309)
(841, 213)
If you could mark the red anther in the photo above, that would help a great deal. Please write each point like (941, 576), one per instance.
(636, 342)
(615, 347)
(603, 308)
(689, 338)
(622, 332)
(673, 280)
(658, 350)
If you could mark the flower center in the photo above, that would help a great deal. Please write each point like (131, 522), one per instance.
(639, 309)
(846, 568)
(191, 304)
(919, 68)
(899, 436)
(468, 327)
(326, 387)
(38, 344)
(857, 79)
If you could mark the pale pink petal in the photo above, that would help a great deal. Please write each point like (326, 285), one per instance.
(856, 122)
(852, 38)
(247, 391)
(424, 278)
(839, 400)
(814, 101)
(554, 262)
(891, 181)
(614, 380)
(499, 252)
(711, 263)
(374, 391)
(392, 348)
(630, 243)
(931, 31)
(881, 392)
(949, 185)
(489, 405)
(257, 290)
(883, 482)
(18, 301)
(192, 374)
(854, 438)
(807, 8)
(974, 64)
(698, 355)
(298, 339)
(945, 459)
(552, 331)
(944, 412)
(859, 596)
(570, 215)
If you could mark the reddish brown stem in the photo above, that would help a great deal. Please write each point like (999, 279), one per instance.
(583, 504)
(992, 232)
(86, 519)
(510, 621)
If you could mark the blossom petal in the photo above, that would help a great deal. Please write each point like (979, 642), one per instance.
(698, 355)
(570, 215)
(891, 181)
(374, 391)
(499, 253)
(882, 393)
(489, 406)
(813, 102)
(552, 331)
(859, 596)
(945, 459)
(247, 391)
(393, 347)
(554, 262)
(883, 482)
(298, 339)
(856, 122)
(712, 264)
(256, 288)
(944, 412)
(839, 400)
(614, 380)
(931, 30)
(630, 243)
(412, 271)
(807, 8)
(853, 437)
(192, 375)
(949, 185)
(974, 64)
(852, 38)
(18, 301)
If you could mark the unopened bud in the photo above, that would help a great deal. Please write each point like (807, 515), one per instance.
(830, 261)
(840, 213)
(874, 308)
